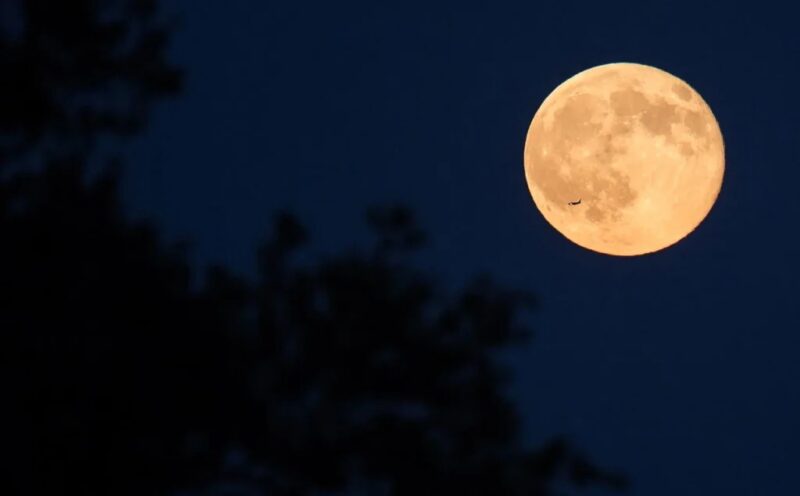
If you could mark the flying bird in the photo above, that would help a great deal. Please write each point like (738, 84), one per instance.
(575, 202)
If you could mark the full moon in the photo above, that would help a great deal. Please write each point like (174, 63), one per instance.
(624, 159)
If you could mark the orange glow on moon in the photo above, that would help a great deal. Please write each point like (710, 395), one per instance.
(624, 159)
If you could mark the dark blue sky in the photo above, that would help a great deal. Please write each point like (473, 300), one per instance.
(680, 367)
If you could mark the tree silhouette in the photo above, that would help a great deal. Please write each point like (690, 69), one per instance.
(355, 374)
(369, 372)
(76, 71)
(112, 361)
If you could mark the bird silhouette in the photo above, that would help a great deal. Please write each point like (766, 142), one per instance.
(575, 202)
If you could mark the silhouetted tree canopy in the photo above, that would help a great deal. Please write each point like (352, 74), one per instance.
(75, 71)
(353, 374)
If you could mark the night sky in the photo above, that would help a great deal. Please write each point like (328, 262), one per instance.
(679, 368)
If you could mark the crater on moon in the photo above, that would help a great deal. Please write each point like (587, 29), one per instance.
(628, 102)
(683, 91)
(637, 146)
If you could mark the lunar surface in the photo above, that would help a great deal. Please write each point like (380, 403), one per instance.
(624, 159)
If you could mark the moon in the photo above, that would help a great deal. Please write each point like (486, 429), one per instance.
(624, 159)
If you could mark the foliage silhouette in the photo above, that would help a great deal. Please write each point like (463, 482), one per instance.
(354, 374)
(369, 369)
(76, 71)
